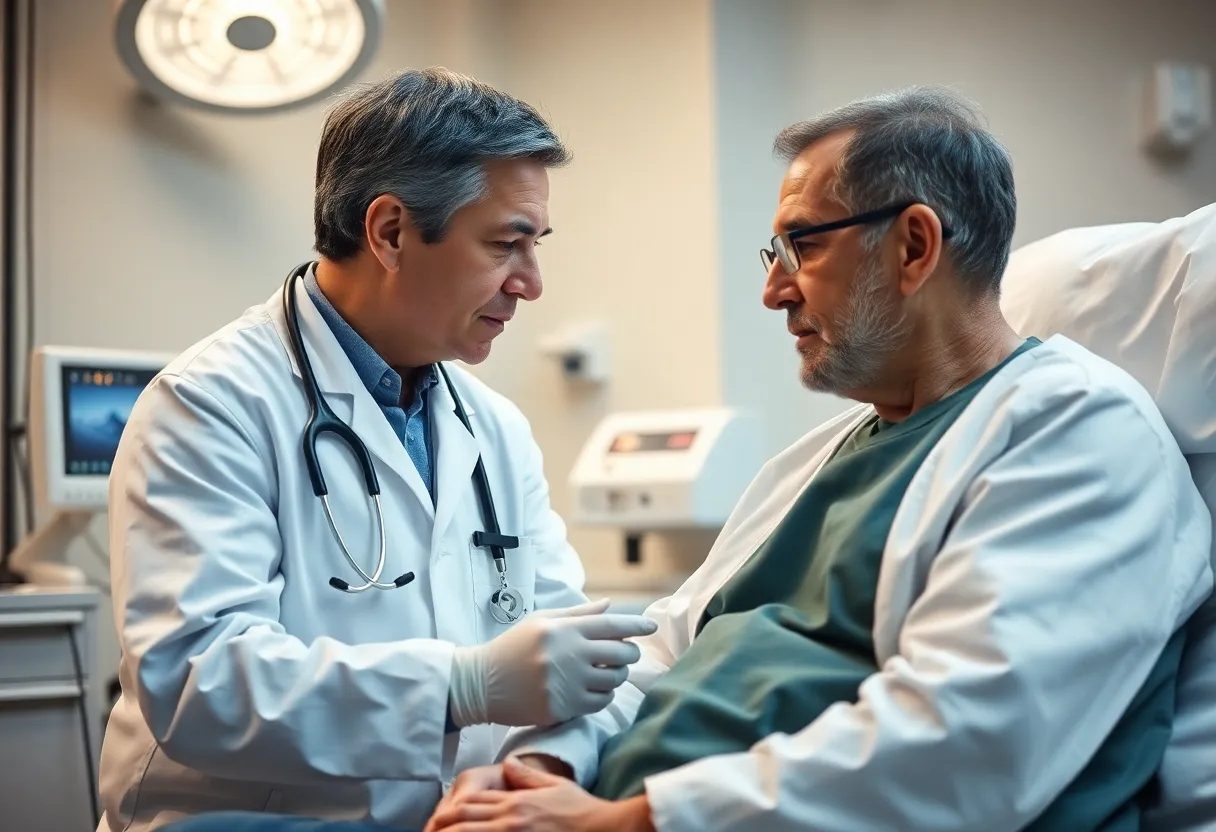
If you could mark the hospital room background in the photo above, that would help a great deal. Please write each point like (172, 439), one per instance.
(141, 224)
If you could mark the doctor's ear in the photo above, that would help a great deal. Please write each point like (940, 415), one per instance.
(387, 223)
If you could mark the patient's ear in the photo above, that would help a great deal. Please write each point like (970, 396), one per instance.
(918, 242)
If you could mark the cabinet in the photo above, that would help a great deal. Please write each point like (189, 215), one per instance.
(50, 709)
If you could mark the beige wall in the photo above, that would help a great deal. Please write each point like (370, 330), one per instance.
(627, 85)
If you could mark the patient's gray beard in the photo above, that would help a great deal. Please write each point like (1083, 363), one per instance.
(869, 330)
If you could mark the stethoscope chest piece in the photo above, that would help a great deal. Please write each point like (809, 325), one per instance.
(506, 605)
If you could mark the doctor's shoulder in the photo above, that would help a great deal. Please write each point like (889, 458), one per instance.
(236, 368)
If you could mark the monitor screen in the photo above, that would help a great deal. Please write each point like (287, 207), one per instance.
(97, 402)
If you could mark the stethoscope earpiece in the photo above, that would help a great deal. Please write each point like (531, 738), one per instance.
(338, 583)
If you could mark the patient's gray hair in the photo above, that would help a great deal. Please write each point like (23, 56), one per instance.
(928, 145)
(423, 136)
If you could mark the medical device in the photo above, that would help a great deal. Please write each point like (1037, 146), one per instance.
(80, 400)
(506, 605)
(247, 57)
(645, 471)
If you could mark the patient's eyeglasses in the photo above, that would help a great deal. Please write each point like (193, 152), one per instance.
(784, 251)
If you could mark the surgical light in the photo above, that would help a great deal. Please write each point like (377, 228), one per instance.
(248, 56)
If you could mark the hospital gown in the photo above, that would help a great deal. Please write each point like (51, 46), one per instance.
(790, 634)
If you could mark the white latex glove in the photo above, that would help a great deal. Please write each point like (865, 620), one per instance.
(552, 666)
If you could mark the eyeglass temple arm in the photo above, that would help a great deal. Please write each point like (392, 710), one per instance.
(862, 219)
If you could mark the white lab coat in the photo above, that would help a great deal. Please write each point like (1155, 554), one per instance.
(1041, 557)
(250, 683)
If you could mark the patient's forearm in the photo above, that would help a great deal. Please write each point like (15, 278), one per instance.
(634, 815)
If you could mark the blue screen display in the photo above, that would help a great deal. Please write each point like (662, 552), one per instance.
(97, 403)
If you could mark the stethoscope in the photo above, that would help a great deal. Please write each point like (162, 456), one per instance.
(506, 604)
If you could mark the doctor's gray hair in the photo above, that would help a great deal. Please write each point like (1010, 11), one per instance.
(927, 145)
(423, 136)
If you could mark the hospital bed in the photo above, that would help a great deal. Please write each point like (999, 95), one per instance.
(1143, 296)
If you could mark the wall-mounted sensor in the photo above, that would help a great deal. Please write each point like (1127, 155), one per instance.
(582, 350)
(1177, 107)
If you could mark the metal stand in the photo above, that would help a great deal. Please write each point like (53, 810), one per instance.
(10, 105)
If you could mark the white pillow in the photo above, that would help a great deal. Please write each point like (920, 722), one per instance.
(1143, 296)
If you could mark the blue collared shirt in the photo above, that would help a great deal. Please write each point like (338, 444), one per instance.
(410, 422)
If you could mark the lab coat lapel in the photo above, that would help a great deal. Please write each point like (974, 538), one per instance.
(454, 457)
(337, 379)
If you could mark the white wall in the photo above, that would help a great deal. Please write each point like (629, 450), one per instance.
(1057, 80)
(758, 83)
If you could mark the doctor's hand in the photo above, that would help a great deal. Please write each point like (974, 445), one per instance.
(552, 666)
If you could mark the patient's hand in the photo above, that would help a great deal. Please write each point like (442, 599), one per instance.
(539, 802)
(491, 779)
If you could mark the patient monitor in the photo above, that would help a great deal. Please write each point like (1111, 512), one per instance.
(80, 400)
(665, 470)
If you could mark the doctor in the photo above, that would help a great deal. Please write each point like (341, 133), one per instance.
(339, 639)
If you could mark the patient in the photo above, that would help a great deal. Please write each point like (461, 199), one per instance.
(959, 605)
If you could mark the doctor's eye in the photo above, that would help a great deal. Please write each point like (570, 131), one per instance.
(512, 245)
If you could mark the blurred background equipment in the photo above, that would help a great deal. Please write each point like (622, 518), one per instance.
(662, 471)
(1177, 107)
(666, 469)
(80, 400)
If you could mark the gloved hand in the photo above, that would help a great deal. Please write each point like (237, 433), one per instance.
(552, 666)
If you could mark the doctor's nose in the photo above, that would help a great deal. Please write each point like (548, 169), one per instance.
(525, 282)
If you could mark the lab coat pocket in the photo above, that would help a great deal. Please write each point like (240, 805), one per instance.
(521, 577)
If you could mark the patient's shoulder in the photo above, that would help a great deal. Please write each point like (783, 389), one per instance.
(1060, 377)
